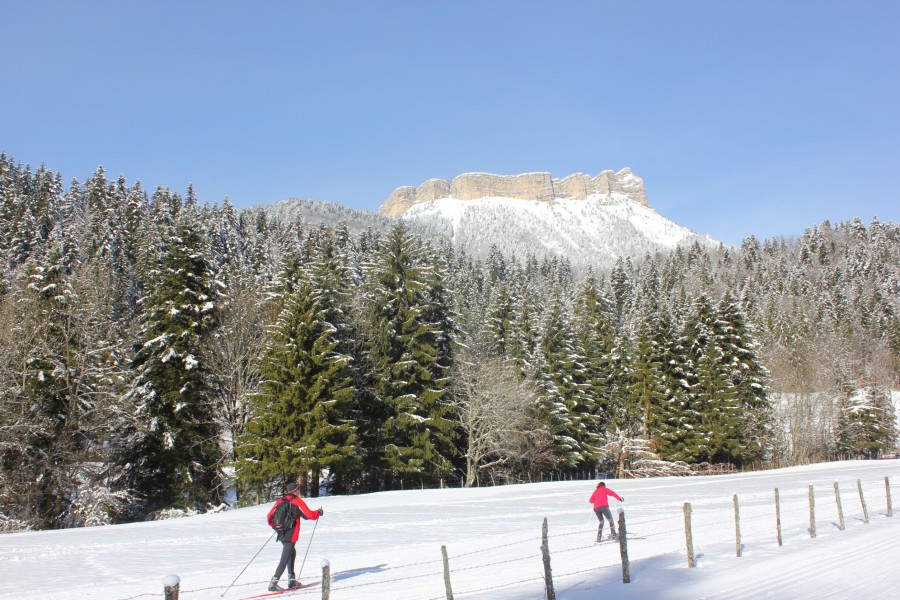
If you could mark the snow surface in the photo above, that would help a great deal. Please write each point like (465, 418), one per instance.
(388, 545)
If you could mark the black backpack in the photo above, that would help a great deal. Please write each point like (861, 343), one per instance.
(284, 517)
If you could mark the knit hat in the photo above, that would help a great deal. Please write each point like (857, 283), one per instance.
(292, 488)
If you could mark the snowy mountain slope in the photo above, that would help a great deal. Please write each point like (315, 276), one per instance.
(590, 232)
(387, 545)
(322, 212)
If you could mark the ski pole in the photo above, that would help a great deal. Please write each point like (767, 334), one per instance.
(316, 524)
(251, 560)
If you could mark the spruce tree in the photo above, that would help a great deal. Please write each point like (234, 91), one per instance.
(176, 454)
(647, 388)
(748, 377)
(303, 415)
(408, 360)
(563, 381)
(594, 328)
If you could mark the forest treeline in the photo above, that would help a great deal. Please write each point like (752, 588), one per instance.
(159, 353)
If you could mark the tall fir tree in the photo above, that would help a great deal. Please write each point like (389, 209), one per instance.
(748, 377)
(176, 455)
(595, 338)
(303, 415)
(409, 362)
(647, 387)
(563, 379)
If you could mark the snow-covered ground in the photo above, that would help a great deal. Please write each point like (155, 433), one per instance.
(388, 545)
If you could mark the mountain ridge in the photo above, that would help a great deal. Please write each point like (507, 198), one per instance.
(539, 186)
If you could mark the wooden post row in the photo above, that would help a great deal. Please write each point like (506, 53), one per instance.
(737, 528)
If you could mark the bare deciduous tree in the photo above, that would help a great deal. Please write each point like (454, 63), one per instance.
(233, 357)
(495, 407)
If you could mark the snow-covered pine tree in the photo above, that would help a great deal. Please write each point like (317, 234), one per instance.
(408, 360)
(748, 377)
(563, 379)
(868, 416)
(302, 415)
(176, 454)
(595, 338)
(678, 420)
(647, 389)
(712, 392)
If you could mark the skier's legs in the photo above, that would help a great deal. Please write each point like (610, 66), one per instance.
(291, 561)
(288, 554)
(599, 512)
(605, 512)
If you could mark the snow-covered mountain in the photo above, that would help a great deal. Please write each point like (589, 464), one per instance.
(592, 221)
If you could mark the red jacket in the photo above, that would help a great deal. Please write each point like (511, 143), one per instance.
(601, 495)
(307, 512)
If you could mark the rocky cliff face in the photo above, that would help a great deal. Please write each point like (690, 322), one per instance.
(529, 186)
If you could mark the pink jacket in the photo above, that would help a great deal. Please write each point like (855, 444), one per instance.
(601, 495)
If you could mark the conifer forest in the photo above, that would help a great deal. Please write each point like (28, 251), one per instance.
(161, 354)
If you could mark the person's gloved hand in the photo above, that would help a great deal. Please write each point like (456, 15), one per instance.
(321, 511)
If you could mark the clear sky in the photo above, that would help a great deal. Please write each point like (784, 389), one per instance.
(743, 118)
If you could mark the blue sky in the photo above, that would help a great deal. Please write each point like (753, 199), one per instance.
(743, 118)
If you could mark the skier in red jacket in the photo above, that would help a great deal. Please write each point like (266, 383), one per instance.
(600, 501)
(288, 538)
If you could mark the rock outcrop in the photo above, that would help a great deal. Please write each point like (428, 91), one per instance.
(529, 186)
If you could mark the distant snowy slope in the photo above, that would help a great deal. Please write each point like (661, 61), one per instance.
(322, 212)
(595, 231)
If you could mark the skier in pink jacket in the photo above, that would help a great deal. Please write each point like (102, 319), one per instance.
(600, 501)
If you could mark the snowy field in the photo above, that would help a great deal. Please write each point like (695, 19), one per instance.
(388, 545)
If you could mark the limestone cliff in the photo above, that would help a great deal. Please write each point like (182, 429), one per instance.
(529, 186)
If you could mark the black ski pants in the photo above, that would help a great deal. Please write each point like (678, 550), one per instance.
(288, 556)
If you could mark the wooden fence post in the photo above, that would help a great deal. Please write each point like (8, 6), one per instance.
(862, 500)
(837, 499)
(326, 579)
(171, 584)
(545, 552)
(447, 573)
(778, 516)
(737, 528)
(812, 513)
(887, 489)
(688, 535)
(623, 548)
